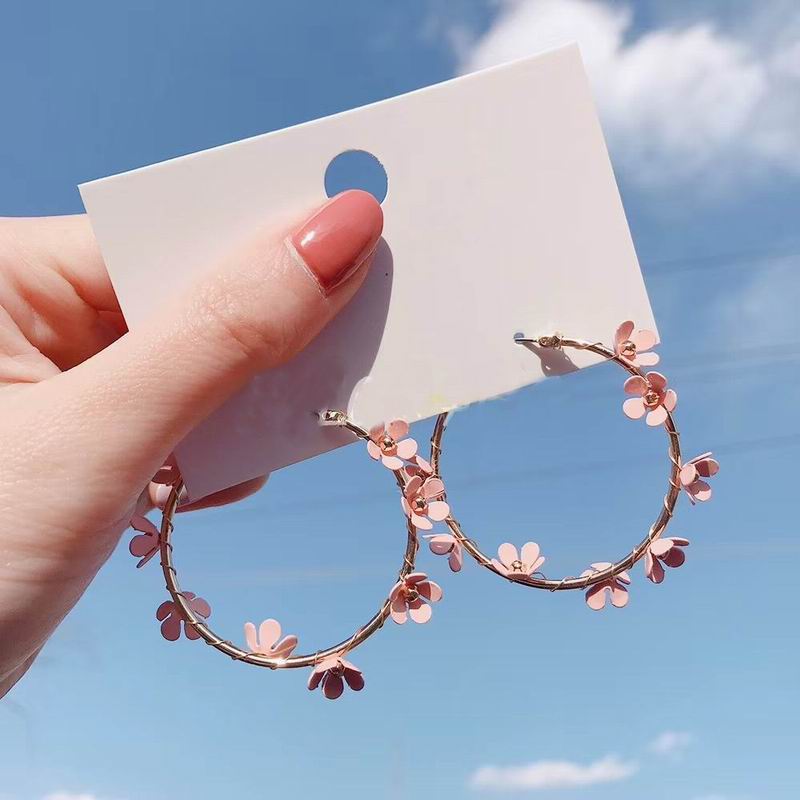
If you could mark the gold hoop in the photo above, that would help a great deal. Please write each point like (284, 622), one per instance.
(598, 575)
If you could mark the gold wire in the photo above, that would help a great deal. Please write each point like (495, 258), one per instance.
(257, 659)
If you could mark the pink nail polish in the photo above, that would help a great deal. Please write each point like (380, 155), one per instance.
(338, 238)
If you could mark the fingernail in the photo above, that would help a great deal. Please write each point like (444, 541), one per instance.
(338, 238)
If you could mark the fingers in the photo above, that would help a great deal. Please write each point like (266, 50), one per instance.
(158, 493)
(139, 397)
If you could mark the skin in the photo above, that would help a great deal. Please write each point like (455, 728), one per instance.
(89, 412)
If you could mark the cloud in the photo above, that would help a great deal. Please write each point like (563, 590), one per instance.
(677, 102)
(551, 775)
(70, 796)
(670, 743)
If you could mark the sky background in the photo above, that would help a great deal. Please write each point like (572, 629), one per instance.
(691, 692)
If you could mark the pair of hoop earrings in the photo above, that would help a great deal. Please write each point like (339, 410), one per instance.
(424, 503)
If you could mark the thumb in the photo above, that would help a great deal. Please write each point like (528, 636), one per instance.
(139, 397)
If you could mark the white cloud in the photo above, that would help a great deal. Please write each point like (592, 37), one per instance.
(670, 743)
(70, 796)
(676, 102)
(551, 775)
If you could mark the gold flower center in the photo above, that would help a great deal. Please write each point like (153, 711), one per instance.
(652, 398)
(628, 348)
(517, 566)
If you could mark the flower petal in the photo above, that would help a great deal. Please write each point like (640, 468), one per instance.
(657, 416)
(500, 567)
(701, 491)
(456, 559)
(441, 544)
(623, 332)
(142, 544)
(675, 558)
(654, 570)
(392, 462)
(373, 449)
(269, 631)
(353, 676)
(670, 399)
(407, 449)
(633, 408)
(200, 607)
(644, 340)
(657, 381)
(438, 510)
(660, 547)
(420, 613)
(412, 487)
(596, 596)
(171, 628)
(421, 523)
(250, 636)
(315, 677)
(140, 523)
(432, 487)
(397, 429)
(636, 384)
(284, 647)
(430, 590)
(529, 553)
(507, 553)
(688, 474)
(332, 686)
(165, 609)
(190, 632)
(708, 467)
(647, 359)
(619, 596)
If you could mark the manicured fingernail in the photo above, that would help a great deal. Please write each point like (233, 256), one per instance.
(338, 238)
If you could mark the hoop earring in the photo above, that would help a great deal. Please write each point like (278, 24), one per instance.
(410, 597)
(602, 581)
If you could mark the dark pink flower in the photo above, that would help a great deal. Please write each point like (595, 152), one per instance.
(411, 598)
(445, 544)
(632, 345)
(147, 543)
(169, 612)
(420, 504)
(332, 673)
(266, 642)
(613, 589)
(692, 474)
(666, 550)
(387, 445)
(654, 398)
(518, 565)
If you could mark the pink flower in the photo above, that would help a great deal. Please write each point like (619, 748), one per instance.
(612, 588)
(266, 642)
(654, 398)
(418, 466)
(408, 598)
(512, 564)
(632, 345)
(666, 550)
(419, 502)
(691, 476)
(147, 543)
(169, 612)
(386, 444)
(332, 672)
(445, 544)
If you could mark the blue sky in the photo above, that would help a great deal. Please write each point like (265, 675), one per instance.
(690, 692)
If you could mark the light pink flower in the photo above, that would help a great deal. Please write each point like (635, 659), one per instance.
(445, 544)
(411, 598)
(692, 473)
(633, 345)
(332, 672)
(654, 398)
(418, 466)
(169, 612)
(147, 543)
(265, 642)
(387, 445)
(518, 565)
(667, 550)
(420, 504)
(614, 588)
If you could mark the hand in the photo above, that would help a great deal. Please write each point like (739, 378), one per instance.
(88, 412)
